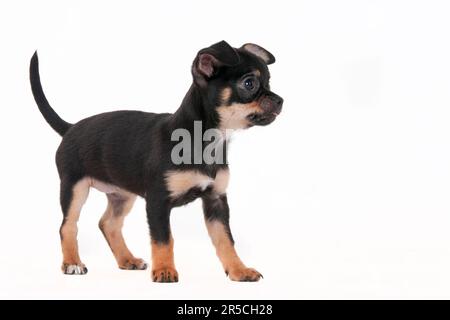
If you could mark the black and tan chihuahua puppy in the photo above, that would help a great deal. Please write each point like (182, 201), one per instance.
(126, 154)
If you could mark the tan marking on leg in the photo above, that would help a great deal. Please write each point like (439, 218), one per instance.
(221, 181)
(179, 182)
(235, 115)
(226, 252)
(163, 265)
(105, 187)
(111, 223)
(225, 96)
(69, 229)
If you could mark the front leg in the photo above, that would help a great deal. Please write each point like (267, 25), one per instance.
(158, 217)
(217, 214)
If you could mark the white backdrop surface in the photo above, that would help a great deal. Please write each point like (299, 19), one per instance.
(345, 196)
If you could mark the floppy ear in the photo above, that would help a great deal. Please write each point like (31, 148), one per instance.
(209, 59)
(260, 52)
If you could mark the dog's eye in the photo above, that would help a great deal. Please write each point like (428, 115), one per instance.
(249, 84)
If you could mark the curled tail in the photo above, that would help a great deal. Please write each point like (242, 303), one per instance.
(55, 121)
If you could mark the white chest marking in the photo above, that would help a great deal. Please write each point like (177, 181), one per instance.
(179, 182)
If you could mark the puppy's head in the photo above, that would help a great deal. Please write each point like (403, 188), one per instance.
(235, 85)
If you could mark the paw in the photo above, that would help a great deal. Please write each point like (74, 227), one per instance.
(133, 264)
(74, 269)
(244, 274)
(165, 274)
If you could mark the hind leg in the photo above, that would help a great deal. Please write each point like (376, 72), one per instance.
(73, 197)
(119, 205)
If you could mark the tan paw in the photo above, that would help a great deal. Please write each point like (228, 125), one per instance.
(165, 274)
(244, 274)
(133, 264)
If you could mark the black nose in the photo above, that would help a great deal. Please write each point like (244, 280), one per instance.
(278, 103)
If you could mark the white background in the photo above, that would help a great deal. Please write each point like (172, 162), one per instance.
(346, 195)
